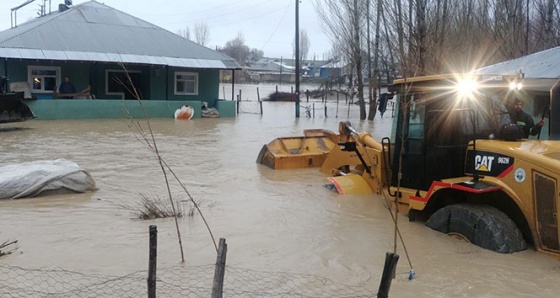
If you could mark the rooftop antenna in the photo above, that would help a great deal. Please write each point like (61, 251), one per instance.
(13, 14)
(43, 10)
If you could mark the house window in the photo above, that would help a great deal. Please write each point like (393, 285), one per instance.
(186, 83)
(43, 79)
(123, 84)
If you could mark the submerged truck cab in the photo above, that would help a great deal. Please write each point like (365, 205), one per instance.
(467, 170)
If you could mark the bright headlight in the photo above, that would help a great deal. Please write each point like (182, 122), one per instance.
(515, 86)
(466, 87)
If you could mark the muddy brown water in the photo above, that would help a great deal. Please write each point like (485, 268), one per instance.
(276, 221)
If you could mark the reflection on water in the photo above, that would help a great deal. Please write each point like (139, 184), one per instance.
(282, 221)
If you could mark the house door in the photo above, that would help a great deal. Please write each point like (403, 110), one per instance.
(124, 84)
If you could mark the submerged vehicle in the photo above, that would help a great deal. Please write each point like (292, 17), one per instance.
(12, 106)
(307, 151)
(458, 163)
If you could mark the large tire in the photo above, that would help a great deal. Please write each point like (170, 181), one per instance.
(482, 225)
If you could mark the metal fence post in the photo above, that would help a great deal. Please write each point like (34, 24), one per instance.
(152, 262)
(219, 272)
(391, 261)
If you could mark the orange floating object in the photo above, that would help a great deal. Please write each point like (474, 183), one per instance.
(184, 112)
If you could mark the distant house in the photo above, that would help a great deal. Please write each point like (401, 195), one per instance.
(115, 55)
(271, 70)
(314, 67)
(332, 69)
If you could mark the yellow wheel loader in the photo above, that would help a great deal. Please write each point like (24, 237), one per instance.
(458, 163)
(12, 106)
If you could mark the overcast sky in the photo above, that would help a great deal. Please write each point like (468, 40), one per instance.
(267, 25)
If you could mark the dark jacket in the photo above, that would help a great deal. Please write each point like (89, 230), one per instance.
(526, 122)
(66, 88)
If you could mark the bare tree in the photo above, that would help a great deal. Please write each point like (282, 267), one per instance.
(420, 33)
(422, 37)
(255, 55)
(357, 56)
(185, 32)
(376, 72)
(304, 45)
(549, 24)
(343, 20)
(237, 49)
(202, 33)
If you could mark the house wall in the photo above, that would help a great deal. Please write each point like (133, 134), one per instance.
(2, 67)
(330, 72)
(208, 85)
(16, 71)
(99, 80)
(61, 109)
(152, 83)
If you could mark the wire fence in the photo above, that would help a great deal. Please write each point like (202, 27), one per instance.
(321, 105)
(214, 281)
(176, 281)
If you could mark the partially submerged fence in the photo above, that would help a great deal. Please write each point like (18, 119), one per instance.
(216, 280)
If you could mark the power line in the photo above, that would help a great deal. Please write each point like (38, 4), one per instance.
(216, 16)
(278, 25)
(247, 18)
(197, 12)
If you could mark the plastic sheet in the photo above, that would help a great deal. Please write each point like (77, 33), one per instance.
(31, 179)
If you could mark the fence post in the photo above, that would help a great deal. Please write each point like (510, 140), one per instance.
(313, 110)
(152, 265)
(391, 260)
(237, 103)
(259, 99)
(218, 287)
(336, 106)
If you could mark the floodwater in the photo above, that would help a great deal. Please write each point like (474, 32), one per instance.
(273, 221)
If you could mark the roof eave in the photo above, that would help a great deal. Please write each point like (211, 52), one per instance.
(18, 53)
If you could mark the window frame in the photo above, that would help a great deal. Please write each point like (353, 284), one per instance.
(175, 80)
(57, 76)
(109, 71)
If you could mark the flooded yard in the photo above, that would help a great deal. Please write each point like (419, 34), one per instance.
(282, 221)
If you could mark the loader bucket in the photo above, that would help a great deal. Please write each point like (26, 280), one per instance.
(306, 151)
(351, 184)
(13, 109)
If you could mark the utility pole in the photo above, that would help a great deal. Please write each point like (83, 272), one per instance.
(297, 58)
(281, 64)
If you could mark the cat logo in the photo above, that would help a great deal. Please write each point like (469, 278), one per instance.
(483, 163)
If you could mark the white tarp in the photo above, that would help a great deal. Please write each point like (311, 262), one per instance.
(31, 179)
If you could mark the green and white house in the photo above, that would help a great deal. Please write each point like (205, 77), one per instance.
(110, 51)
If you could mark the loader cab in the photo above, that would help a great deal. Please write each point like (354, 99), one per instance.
(434, 125)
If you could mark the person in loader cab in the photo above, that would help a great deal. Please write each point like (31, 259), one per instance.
(524, 120)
